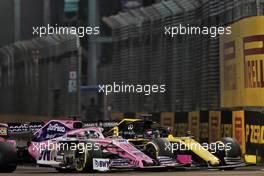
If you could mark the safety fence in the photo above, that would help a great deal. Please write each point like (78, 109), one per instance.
(41, 77)
(188, 65)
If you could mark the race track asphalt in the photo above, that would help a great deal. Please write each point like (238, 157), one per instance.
(38, 171)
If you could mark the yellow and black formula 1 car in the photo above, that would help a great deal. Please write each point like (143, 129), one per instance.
(156, 141)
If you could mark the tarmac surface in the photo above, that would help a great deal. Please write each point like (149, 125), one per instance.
(249, 171)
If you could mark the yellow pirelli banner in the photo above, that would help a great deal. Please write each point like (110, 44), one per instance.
(214, 126)
(194, 124)
(238, 121)
(242, 64)
(167, 119)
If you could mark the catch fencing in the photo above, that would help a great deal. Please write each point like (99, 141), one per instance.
(188, 65)
(41, 77)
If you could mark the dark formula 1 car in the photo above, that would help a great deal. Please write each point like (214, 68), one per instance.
(8, 155)
(154, 140)
(59, 145)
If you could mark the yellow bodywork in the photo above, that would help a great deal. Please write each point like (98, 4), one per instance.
(196, 148)
(189, 143)
(115, 130)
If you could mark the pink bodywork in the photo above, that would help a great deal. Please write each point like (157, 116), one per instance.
(184, 159)
(127, 151)
(112, 145)
(5, 138)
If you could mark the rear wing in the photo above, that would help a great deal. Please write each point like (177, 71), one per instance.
(55, 128)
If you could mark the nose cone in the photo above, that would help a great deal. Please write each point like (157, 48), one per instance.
(214, 162)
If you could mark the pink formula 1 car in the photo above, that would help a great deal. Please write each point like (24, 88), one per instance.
(59, 144)
(8, 155)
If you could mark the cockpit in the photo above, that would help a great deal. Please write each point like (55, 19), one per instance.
(86, 133)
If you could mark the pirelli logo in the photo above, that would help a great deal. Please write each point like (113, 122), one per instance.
(214, 125)
(239, 128)
(253, 61)
(255, 134)
(242, 64)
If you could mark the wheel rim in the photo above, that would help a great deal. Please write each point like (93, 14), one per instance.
(80, 160)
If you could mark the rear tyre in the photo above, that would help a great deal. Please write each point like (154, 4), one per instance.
(8, 158)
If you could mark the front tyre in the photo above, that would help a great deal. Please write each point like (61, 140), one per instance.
(84, 156)
(231, 154)
(158, 147)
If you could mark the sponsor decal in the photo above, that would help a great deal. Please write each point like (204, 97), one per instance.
(56, 128)
(254, 77)
(101, 164)
(239, 129)
(51, 130)
(214, 125)
(255, 134)
(135, 162)
(119, 141)
(3, 131)
(254, 126)
(107, 124)
(45, 155)
(130, 127)
(18, 127)
(26, 127)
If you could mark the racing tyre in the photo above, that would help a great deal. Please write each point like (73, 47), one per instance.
(232, 153)
(158, 147)
(84, 157)
(8, 158)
